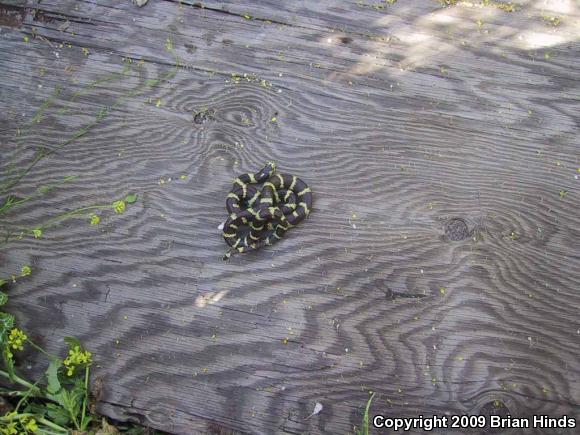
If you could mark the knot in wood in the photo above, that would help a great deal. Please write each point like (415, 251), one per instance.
(456, 229)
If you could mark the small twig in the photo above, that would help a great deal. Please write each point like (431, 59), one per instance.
(42, 38)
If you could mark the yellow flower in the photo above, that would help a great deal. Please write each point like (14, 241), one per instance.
(9, 429)
(37, 232)
(16, 339)
(95, 219)
(29, 425)
(76, 357)
(119, 206)
(26, 270)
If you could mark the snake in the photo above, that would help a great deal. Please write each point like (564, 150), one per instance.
(262, 207)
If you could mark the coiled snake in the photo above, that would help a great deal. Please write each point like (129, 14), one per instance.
(260, 216)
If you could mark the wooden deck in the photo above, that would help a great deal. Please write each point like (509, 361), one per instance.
(440, 266)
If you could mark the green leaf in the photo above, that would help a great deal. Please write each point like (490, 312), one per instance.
(51, 411)
(130, 199)
(52, 376)
(72, 342)
(2, 282)
(57, 414)
(62, 398)
(9, 201)
(6, 322)
(35, 408)
(70, 400)
(86, 422)
(365, 423)
(3, 298)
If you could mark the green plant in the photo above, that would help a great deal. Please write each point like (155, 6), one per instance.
(12, 201)
(13, 175)
(56, 402)
(364, 430)
(37, 231)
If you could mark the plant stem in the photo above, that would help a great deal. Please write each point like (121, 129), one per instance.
(41, 155)
(100, 116)
(28, 393)
(9, 184)
(51, 425)
(14, 393)
(85, 398)
(35, 119)
(9, 205)
(20, 381)
(73, 213)
(40, 349)
(4, 187)
(41, 431)
(41, 420)
(74, 419)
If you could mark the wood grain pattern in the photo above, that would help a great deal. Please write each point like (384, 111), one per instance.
(440, 266)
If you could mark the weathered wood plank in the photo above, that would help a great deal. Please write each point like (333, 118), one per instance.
(400, 119)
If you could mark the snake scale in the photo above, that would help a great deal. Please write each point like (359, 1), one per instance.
(259, 216)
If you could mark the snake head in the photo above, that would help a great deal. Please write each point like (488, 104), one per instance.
(268, 169)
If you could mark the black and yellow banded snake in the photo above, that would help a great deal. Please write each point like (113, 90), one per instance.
(260, 216)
